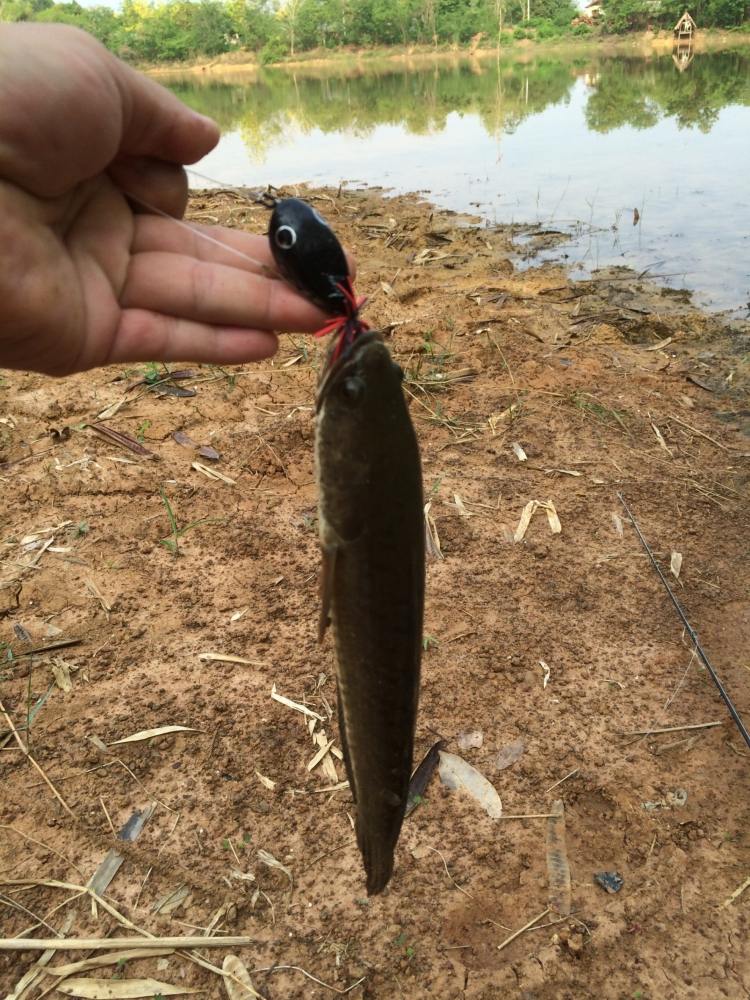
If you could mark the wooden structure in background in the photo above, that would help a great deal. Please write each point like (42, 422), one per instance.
(684, 30)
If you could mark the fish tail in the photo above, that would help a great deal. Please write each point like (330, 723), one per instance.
(378, 859)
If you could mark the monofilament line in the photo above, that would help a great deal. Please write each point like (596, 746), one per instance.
(678, 607)
(258, 197)
(270, 271)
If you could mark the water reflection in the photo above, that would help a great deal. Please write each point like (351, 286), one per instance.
(546, 139)
(624, 91)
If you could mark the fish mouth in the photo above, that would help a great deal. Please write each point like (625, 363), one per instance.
(347, 359)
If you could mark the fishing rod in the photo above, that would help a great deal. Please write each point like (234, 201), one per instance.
(691, 632)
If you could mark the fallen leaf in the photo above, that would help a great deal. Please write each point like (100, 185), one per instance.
(470, 740)
(184, 439)
(295, 705)
(523, 524)
(519, 452)
(617, 521)
(266, 782)
(61, 673)
(120, 989)
(212, 473)
(101, 961)
(172, 900)
(210, 453)
(459, 775)
(149, 734)
(675, 564)
(268, 859)
(509, 754)
(228, 657)
(546, 670)
(232, 966)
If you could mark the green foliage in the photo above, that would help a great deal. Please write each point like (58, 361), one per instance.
(635, 15)
(172, 30)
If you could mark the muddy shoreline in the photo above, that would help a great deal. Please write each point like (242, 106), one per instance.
(558, 648)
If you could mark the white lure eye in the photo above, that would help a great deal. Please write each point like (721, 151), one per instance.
(285, 237)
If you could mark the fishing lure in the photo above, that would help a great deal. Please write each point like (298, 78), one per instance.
(308, 254)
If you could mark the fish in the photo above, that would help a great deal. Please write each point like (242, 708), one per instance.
(308, 254)
(372, 583)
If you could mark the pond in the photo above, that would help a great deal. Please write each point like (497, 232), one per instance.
(644, 161)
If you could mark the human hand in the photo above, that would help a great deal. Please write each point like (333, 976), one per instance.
(85, 280)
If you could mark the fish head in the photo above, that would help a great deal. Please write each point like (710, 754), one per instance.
(308, 254)
(359, 394)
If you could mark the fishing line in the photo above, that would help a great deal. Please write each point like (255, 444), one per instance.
(678, 607)
(265, 198)
(204, 236)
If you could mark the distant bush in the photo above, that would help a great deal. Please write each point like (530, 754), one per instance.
(273, 51)
(520, 34)
(582, 29)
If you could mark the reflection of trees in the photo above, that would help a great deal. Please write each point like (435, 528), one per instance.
(637, 93)
(418, 100)
(632, 92)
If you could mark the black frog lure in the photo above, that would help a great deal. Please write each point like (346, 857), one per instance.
(308, 254)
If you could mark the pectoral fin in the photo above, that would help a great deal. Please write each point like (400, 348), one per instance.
(327, 570)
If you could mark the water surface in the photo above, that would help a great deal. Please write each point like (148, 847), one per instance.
(572, 143)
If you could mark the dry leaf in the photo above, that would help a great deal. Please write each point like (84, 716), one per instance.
(94, 590)
(239, 614)
(519, 452)
(100, 961)
(470, 740)
(329, 768)
(617, 521)
(321, 753)
(523, 524)
(460, 506)
(458, 774)
(546, 670)
(232, 966)
(121, 989)
(61, 673)
(660, 439)
(432, 540)
(675, 564)
(268, 859)
(505, 416)
(266, 782)
(172, 900)
(149, 734)
(212, 473)
(228, 657)
(554, 520)
(509, 755)
(295, 705)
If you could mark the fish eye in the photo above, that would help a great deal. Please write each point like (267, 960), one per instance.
(353, 389)
(285, 237)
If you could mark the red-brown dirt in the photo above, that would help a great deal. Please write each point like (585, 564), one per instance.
(493, 355)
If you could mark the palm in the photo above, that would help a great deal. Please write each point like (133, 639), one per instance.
(83, 280)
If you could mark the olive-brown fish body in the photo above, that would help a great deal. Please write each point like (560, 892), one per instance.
(372, 535)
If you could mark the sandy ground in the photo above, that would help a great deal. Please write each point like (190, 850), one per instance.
(607, 385)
